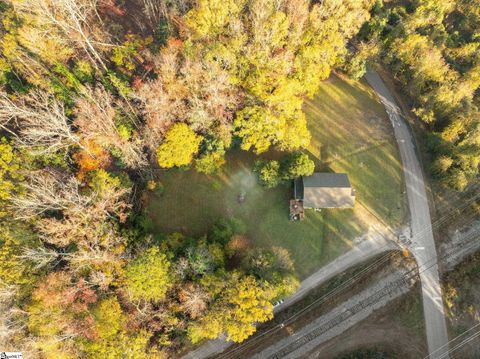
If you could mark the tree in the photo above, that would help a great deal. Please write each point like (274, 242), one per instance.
(274, 266)
(43, 124)
(10, 327)
(194, 300)
(84, 218)
(190, 88)
(15, 238)
(10, 175)
(210, 163)
(200, 260)
(296, 165)
(26, 53)
(243, 303)
(103, 183)
(272, 173)
(261, 127)
(258, 128)
(178, 147)
(90, 158)
(441, 165)
(49, 191)
(57, 317)
(356, 64)
(211, 16)
(52, 191)
(99, 118)
(312, 40)
(148, 276)
(433, 57)
(69, 22)
(225, 228)
(268, 173)
(113, 340)
(237, 246)
(456, 179)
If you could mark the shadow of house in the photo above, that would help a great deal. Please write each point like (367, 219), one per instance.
(324, 190)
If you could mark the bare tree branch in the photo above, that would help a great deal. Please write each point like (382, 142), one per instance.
(74, 18)
(46, 191)
(96, 118)
(41, 122)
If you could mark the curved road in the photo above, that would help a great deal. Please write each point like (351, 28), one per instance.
(423, 244)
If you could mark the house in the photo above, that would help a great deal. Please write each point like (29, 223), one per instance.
(324, 190)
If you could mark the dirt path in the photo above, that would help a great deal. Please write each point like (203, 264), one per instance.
(423, 244)
(380, 332)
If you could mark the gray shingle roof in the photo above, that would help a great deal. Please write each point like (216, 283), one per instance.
(325, 190)
(327, 180)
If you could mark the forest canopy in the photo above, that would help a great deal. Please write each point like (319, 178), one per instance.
(97, 95)
(432, 48)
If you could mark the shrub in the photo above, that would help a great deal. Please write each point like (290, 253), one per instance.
(210, 163)
(296, 165)
(268, 173)
(224, 229)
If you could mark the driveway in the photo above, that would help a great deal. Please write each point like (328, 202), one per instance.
(423, 244)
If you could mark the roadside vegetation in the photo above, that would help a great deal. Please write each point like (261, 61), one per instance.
(383, 331)
(462, 300)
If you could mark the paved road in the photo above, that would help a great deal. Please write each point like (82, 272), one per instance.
(373, 244)
(423, 246)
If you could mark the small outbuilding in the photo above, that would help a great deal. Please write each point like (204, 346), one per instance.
(324, 190)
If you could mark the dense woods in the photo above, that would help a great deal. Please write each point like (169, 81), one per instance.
(96, 94)
(432, 47)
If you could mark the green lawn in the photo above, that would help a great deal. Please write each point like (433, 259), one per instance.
(351, 134)
(340, 119)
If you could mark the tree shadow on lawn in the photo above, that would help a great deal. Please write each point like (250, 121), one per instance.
(344, 139)
(192, 202)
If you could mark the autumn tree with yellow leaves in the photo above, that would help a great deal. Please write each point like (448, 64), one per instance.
(178, 147)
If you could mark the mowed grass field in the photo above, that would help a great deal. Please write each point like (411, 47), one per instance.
(339, 118)
(351, 133)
